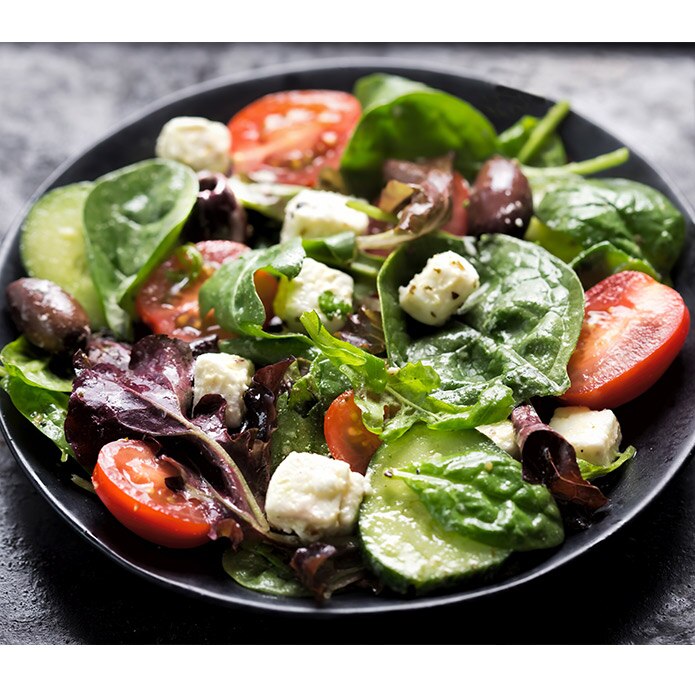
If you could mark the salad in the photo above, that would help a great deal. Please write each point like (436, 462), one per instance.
(360, 339)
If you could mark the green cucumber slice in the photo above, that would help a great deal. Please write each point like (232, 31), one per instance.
(52, 245)
(406, 548)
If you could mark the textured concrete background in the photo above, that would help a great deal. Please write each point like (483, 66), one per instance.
(54, 588)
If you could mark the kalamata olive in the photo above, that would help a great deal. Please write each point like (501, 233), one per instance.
(501, 201)
(48, 316)
(216, 213)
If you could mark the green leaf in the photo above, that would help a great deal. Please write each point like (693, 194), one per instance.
(603, 260)
(517, 330)
(333, 307)
(267, 198)
(635, 218)
(594, 471)
(46, 409)
(480, 493)
(392, 400)
(31, 365)
(409, 120)
(132, 220)
(260, 568)
(231, 291)
(336, 250)
(269, 350)
(511, 141)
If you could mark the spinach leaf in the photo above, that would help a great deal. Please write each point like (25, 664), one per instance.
(633, 217)
(511, 141)
(261, 568)
(31, 365)
(46, 409)
(409, 120)
(393, 400)
(480, 493)
(336, 250)
(267, 198)
(36, 391)
(269, 349)
(231, 291)
(603, 260)
(594, 471)
(132, 219)
(517, 330)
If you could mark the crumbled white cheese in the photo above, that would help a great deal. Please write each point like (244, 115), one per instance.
(197, 142)
(227, 375)
(595, 435)
(440, 289)
(303, 293)
(317, 214)
(314, 496)
(503, 435)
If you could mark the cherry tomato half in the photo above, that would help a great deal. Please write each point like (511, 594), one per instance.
(458, 223)
(346, 435)
(130, 481)
(168, 301)
(633, 329)
(293, 135)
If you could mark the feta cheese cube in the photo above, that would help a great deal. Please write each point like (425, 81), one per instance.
(317, 214)
(304, 293)
(595, 435)
(227, 375)
(440, 289)
(196, 142)
(503, 435)
(314, 496)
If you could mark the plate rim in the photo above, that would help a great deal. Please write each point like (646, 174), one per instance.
(289, 606)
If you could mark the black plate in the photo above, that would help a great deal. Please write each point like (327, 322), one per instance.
(661, 423)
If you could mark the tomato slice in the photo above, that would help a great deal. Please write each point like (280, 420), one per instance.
(458, 223)
(346, 435)
(633, 329)
(130, 481)
(168, 301)
(293, 135)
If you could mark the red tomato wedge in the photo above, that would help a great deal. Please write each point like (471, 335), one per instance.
(346, 435)
(168, 301)
(293, 135)
(130, 481)
(458, 223)
(633, 329)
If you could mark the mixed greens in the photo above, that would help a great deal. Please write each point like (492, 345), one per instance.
(322, 340)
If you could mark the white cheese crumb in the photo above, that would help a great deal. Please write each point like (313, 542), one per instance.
(227, 375)
(503, 435)
(197, 142)
(440, 289)
(595, 435)
(314, 496)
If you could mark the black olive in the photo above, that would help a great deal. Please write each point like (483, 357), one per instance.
(217, 213)
(501, 201)
(47, 315)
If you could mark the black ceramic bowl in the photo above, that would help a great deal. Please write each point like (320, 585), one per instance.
(661, 423)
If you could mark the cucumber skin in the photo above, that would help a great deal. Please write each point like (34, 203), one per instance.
(415, 444)
(40, 228)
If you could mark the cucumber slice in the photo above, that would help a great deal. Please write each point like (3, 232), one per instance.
(52, 246)
(402, 542)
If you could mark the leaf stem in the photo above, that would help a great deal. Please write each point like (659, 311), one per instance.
(584, 167)
(545, 127)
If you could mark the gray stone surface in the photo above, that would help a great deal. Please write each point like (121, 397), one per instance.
(54, 588)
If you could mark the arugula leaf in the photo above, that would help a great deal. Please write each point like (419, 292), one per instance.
(480, 493)
(132, 219)
(231, 291)
(408, 120)
(261, 568)
(594, 471)
(603, 260)
(392, 400)
(635, 218)
(513, 139)
(517, 330)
